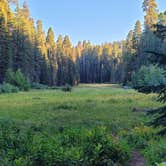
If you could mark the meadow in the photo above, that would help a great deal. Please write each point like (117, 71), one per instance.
(38, 125)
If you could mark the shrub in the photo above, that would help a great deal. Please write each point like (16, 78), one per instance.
(67, 88)
(28, 147)
(152, 77)
(18, 79)
(139, 136)
(155, 152)
(35, 85)
(8, 88)
(145, 139)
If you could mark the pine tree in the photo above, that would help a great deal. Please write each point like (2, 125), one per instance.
(5, 39)
(23, 40)
(59, 54)
(128, 56)
(137, 35)
(69, 69)
(67, 46)
(160, 120)
(51, 48)
(151, 17)
(41, 54)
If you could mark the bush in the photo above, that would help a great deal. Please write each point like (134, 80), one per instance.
(67, 88)
(143, 138)
(139, 136)
(28, 146)
(35, 85)
(18, 79)
(150, 78)
(155, 152)
(8, 88)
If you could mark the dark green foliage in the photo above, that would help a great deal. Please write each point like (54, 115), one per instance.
(8, 88)
(162, 95)
(18, 79)
(35, 85)
(67, 88)
(149, 89)
(31, 147)
(155, 152)
(139, 136)
(160, 120)
(145, 138)
(149, 79)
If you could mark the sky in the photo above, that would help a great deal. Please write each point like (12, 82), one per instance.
(99, 21)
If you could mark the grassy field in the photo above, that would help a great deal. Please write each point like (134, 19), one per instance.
(88, 106)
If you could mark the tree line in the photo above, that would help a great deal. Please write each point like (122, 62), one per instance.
(44, 59)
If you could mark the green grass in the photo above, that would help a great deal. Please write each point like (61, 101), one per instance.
(84, 106)
(87, 106)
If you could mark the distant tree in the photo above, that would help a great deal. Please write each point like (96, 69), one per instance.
(67, 46)
(51, 48)
(6, 19)
(137, 35)
(128, 55)
(151, 17)
(41, 55)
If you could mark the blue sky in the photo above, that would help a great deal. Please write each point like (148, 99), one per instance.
(96, 20)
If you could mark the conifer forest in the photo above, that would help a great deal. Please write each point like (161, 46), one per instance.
(82, 104)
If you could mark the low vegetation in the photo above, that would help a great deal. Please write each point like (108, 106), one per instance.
(8, 88)
(67, 88)
(17, 79)
(149, 79)
(92, 125)
(33, 146)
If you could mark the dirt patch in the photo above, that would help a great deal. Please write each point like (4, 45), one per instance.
(137, 159)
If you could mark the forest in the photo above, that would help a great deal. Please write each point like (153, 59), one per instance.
(44, 59)
(82, 92)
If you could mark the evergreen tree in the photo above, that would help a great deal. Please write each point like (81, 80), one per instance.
(51, 48)
(137, 35)
(41, 59)
(5, 39)
(67, 46)
(41, 54)
(151, 17)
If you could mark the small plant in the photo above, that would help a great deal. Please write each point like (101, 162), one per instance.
(18, 79)
(139, 136)
(67, 88)
(155, 153)
(8, 88)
